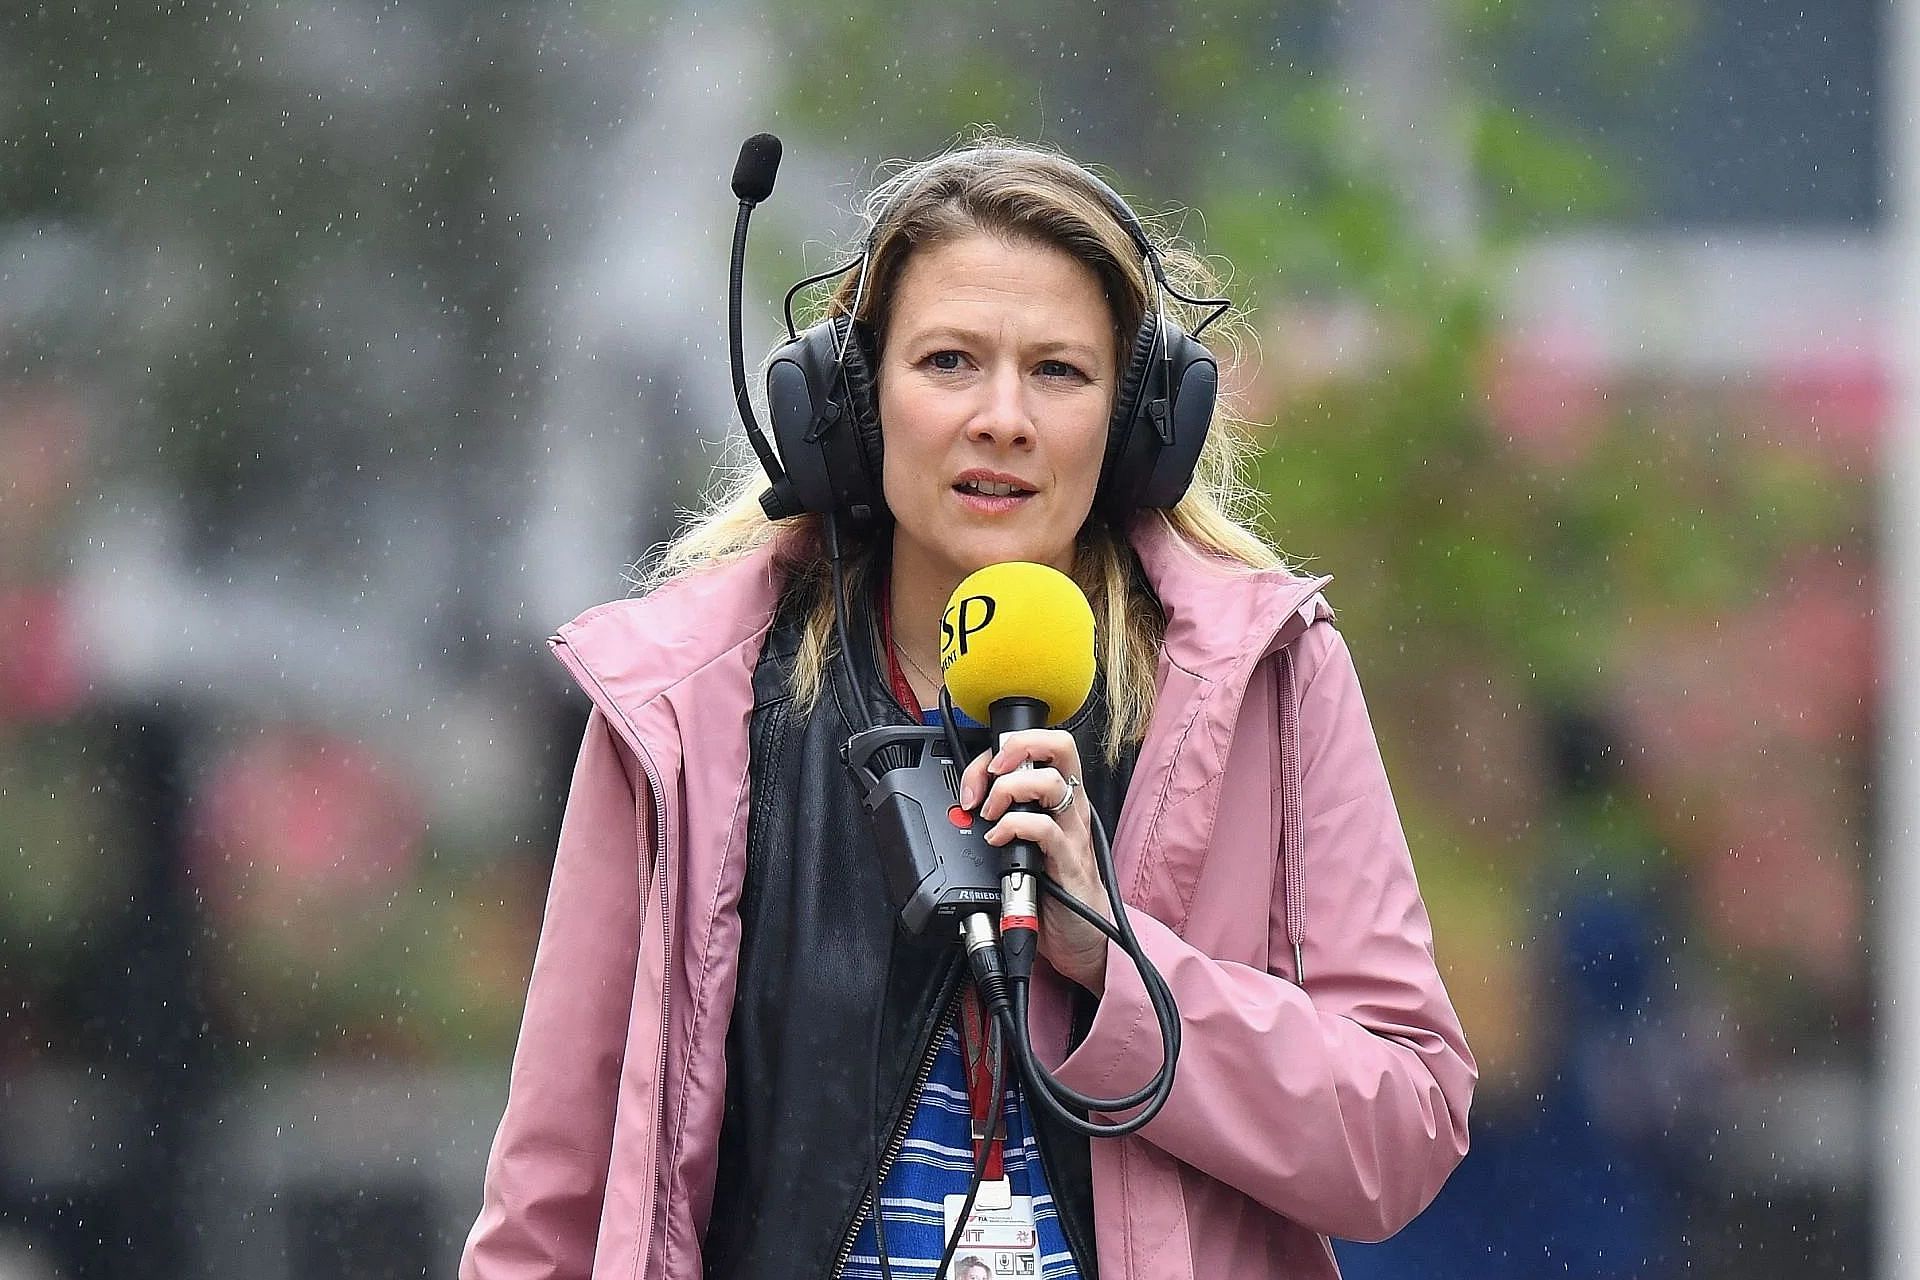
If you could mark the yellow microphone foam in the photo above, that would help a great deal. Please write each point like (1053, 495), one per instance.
(1017, 630)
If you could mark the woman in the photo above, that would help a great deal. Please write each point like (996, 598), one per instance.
(728, 1045)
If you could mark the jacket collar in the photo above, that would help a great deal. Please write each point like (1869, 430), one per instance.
(635, 650)
(1221, 618)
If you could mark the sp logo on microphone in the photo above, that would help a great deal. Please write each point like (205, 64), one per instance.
(1017, 630)
(964, 618)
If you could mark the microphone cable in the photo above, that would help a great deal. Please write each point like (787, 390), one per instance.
(996, 1025)
(997, 1108)
(1005, 987)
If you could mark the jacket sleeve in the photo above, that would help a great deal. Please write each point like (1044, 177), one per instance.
(1341, 1105)
(546, 1176)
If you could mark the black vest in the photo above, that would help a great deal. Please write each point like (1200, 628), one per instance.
(836, 1007)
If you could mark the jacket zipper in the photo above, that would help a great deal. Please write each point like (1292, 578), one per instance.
(661, 1155)
(662, 1172)
(898, 1138)
(1291, 892)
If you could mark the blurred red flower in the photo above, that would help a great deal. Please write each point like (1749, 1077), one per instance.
(295, 819)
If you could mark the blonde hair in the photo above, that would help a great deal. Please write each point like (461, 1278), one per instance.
(1021, 193)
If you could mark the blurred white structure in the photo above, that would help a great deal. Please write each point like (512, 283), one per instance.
(1898, 913)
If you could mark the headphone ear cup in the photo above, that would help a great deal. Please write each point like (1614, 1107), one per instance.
(1161, 414)
(862, 397)
(1194, 392)
(1119, 473)
(821, 407)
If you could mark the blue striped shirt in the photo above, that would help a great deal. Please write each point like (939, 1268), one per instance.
(936, 1161)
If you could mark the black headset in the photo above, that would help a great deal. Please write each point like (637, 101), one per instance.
(821, 388)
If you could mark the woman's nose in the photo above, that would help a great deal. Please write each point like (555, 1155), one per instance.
(1002, 416)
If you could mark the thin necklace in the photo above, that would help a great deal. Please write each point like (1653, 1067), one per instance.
(916, 666)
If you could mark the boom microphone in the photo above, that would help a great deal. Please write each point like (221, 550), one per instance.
(753, 175)
(754, 171)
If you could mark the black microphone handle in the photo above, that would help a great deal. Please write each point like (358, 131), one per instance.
(1012, 714)
(1009, 715)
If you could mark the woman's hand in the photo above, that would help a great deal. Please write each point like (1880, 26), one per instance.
(1071, 945)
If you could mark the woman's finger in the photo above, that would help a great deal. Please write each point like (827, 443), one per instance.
(1036, 827)
(1069, 858)
(1041, 746)
(1043, 786)
(974, 781)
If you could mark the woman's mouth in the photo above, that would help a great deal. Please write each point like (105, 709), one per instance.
(992, 488)
(991, 496)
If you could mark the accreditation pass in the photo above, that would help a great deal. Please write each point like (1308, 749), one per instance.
(999, 1233)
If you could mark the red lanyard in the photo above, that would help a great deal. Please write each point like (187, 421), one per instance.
(902, 689)
(974, 1048)
(974, 1044)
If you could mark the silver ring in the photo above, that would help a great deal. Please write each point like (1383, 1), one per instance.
(1066, 801)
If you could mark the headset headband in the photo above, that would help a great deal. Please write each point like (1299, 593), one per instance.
(822, 384)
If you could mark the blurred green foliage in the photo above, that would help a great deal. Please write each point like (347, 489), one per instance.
(1396, 478)
(1500, 527)
(1505, 524)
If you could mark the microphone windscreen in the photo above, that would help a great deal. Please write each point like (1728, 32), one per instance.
(753, 172)
(1017, 630)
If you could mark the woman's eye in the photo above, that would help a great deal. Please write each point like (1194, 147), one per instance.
(1058, 369)
(945, 360)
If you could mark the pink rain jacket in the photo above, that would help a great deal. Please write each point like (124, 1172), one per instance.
(1298, 1113)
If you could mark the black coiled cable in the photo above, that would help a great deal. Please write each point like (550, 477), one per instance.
(1006, 993)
